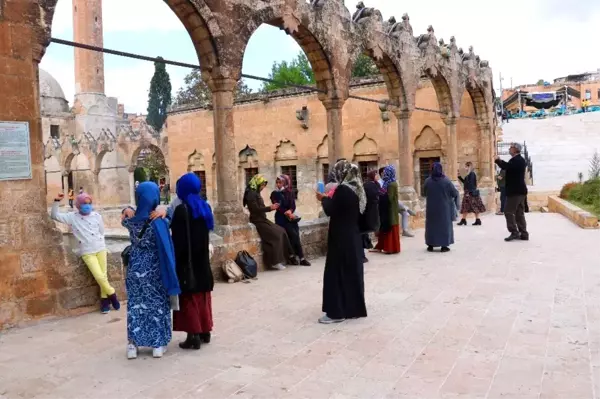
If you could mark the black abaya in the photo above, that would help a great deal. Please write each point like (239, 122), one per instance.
(343, 280)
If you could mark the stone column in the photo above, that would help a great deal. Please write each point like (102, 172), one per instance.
(229, 208)
(131, 187)
(452, 149)
(485, 154)
(30, 247)
(406, 174)
(335, 139)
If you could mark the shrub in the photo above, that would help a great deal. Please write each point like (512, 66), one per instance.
(564, 192)
(590, 191)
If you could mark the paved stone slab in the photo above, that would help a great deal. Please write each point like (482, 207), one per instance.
(488, 320)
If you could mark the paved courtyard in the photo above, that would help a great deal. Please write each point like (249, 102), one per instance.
(488, 320)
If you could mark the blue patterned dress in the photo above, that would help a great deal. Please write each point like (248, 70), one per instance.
(148, 306)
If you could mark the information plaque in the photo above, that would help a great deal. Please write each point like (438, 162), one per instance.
(15, 151)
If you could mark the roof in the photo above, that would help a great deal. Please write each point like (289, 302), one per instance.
(49, 87)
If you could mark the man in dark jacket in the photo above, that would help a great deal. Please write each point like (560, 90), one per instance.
(516, 193)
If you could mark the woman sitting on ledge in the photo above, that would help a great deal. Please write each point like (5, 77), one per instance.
(276, 246)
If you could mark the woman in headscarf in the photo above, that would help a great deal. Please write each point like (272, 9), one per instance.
(388, 238)
(88, 228)
(285, 217)
(370, 219)
(471, 202)
(441, 209)
(275, 244)
(151, 276)
(343, 279)
(191, 225)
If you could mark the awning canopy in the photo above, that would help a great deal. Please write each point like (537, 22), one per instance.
(541, 100)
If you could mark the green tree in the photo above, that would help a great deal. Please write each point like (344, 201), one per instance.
(297, 72)
(159, 96)
(364, 67)
(195, 91)
(540, 82)
(153, 163)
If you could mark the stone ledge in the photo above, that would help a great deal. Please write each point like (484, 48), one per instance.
(580, 217)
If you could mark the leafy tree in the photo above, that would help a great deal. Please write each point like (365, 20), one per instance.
(364, 67)
(196, 91)
(595, 166)
(297, 72)
(153, 163)
(540, 82)
(140, 174)
(159, 96)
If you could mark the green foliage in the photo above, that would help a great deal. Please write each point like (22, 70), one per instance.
(540, 82)
(140, 174)
(298, 72)
(587, 195)
(595, 166)
(566, 189)
(196, 91)
(154, 165)
(159, 96)
(364, 67)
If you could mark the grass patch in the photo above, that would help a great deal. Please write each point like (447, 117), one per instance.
(590, 208)
(585, 195)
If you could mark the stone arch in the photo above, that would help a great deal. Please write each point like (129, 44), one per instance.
(428, 139)
(477, 95)
(300, 24)
(112, 178)
(143, 150)
(195, 15)
(323, 149)
(442, 89)
(365, 146)
(248, 157)
(427, 149)
(286, 151)
(195, 161)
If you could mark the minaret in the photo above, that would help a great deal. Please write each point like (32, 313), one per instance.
(87, 29)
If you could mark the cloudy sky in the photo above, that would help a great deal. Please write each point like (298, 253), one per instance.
(525, 40)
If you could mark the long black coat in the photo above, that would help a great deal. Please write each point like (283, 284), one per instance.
(195, 276)
(369, 221)
(343, 280)
(515, 175)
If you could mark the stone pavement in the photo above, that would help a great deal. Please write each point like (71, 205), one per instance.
(488, 320)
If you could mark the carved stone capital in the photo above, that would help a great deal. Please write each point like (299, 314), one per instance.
(333, 103)
(450, 120)
(402, 113)
(222, 84)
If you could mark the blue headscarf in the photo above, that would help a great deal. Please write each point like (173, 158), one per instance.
(389, 176)
(437, 172)
(147, 197)
(188, 191)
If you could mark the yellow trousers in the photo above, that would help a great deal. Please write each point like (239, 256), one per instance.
(98, 267)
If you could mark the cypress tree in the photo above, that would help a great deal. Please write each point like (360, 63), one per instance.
(159, 96)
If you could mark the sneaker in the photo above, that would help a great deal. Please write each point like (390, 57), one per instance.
(132, 351)
(407, 234)
(304, 262)
(104, 305)
(159, 352)
(114, 301)
(327, 320)
(279, 266)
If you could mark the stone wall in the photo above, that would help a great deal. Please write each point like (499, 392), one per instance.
(273, 138)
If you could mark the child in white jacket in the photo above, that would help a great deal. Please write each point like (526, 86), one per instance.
(88, 229)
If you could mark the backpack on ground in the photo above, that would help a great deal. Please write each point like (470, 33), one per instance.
(247, 263)
(232, 272)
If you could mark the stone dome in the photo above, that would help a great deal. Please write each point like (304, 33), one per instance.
(52, 97)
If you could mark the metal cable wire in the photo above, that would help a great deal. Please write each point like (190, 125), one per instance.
(246, 76)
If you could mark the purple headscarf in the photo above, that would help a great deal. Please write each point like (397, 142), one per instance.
(437, 172)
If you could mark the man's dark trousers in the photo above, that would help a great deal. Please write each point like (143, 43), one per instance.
(514, 212)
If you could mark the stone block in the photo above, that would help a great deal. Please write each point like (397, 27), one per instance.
(10, 313)
(74, 298)
(582, 218)
(26, 287)
(41, 305)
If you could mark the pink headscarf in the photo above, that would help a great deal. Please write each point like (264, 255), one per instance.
(81, 198)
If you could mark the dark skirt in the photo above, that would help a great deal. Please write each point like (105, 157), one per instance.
(389, 242)
(195, 314)
(472, 204)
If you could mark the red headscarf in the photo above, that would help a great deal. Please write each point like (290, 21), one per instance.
(81, 199)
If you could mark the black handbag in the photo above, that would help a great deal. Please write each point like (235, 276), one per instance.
(187, 280)
(247, 263)
(126, 253)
